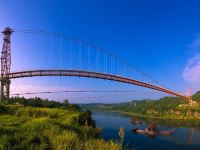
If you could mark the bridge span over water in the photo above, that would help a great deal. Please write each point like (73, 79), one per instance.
(7, 74)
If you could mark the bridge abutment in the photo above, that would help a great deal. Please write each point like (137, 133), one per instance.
(1, 89)
(4, 88)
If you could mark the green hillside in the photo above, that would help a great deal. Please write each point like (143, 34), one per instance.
(166, 107)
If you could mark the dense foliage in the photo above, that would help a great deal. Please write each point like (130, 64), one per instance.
(86, 119)
(38, 102)
(196, 97)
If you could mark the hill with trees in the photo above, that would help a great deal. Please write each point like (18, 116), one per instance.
(166, 107)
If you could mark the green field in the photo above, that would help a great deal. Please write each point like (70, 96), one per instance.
(34, 128)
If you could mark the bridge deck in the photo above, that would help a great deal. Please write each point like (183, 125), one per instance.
(81, 73)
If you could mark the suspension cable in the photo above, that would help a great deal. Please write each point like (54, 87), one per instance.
(91, 45)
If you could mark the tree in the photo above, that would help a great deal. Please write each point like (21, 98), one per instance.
(66, 102)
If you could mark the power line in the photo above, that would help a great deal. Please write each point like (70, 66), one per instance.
(82, 91)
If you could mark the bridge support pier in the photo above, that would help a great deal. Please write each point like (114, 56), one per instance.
(192, 102)
(4, 88)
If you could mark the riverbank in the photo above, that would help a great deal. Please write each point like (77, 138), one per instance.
(164, 117)
(171, 122)
(26, 127)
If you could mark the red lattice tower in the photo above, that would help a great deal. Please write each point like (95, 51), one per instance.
(190, 96)
(6, 53)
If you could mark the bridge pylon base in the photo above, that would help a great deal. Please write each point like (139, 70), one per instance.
(4, 88)
(192, 102)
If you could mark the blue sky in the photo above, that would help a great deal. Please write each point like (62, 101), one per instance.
(161, 37)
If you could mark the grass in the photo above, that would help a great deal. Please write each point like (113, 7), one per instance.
(29, 128)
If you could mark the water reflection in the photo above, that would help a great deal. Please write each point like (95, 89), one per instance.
(186, 136)
(156, 127)
(151, 129)
(170, 122)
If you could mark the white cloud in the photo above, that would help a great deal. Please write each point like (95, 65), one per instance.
(191, 72)
(195, 45)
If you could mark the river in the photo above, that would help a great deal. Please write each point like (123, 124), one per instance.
(185, 137)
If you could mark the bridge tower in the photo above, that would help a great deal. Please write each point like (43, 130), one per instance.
(191, 101)
(5, 64)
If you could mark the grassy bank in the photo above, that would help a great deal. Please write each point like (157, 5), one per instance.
(171, 116)
(26, 127)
